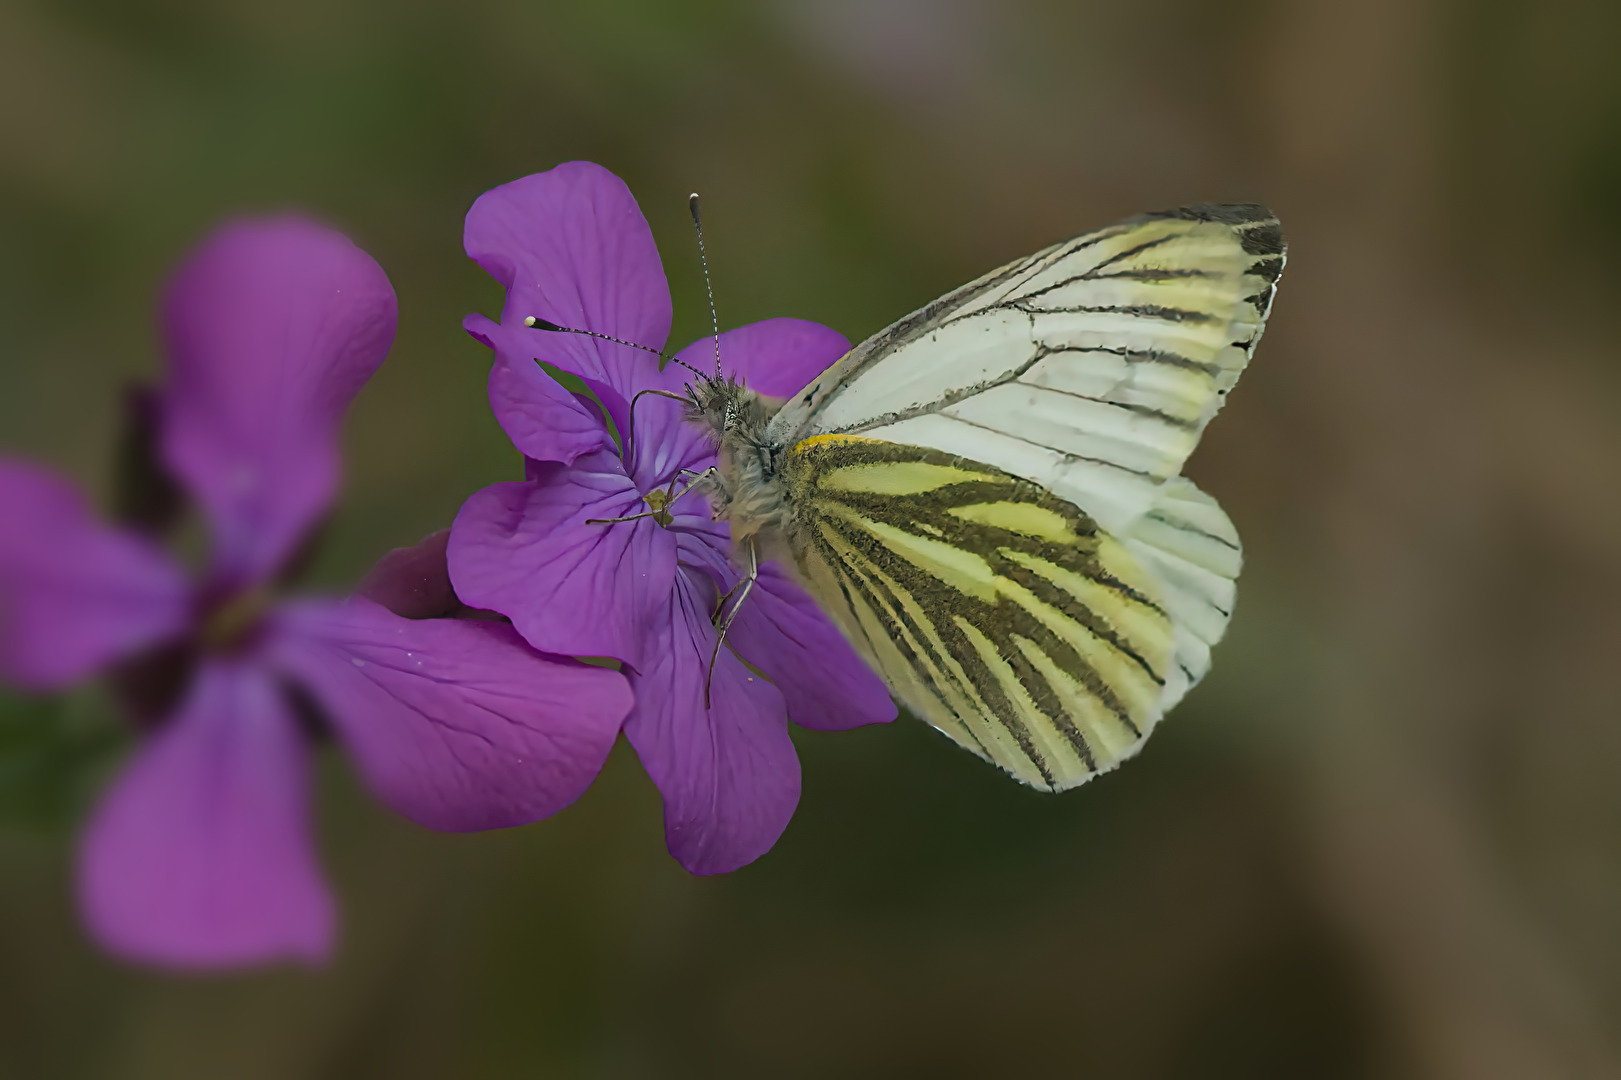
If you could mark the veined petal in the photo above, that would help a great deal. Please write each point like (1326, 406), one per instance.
(200, 853)
(728, 773)
(664, 445)
(542, 419)
(74, 594)
(525, 550)
(826, 685)
(774, 357)
(571, 246)
(457, 725)
(703, 544)
(272, 326)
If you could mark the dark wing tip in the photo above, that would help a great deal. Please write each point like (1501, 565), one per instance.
(1227, 213)
(1257, 227)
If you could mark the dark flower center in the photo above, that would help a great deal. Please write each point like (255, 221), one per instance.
(227, 624)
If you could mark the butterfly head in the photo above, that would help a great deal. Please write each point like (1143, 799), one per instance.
(726, 409)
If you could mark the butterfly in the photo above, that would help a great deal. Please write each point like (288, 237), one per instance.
(987, 497)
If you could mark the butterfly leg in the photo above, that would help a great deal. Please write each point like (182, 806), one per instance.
(711, 483)
(630, 423)
(725, 622)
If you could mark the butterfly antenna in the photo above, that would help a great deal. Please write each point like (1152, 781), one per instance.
(534, 322)
(703, 259)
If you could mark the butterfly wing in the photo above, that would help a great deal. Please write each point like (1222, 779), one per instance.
(996, 611)
(1089, 369)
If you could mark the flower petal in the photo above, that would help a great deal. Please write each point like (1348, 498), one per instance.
(704, 545)
(74, 594)
(774, 357)
(542, 419)
(825, 683)
(414, 582)
(457, 725)
(728, 773)
(273, 326)
(570, 246)
(524, 550)
(663, 443)
(200, 853)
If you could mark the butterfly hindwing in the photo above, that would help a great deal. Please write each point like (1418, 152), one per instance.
(997, 611)
(1190, 548)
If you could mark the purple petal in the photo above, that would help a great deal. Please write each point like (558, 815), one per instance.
(200, 853)
(775, 357)
(570, 246)
(524, 550)
(825, 682)
(705, 545)
(74, 594)
(728, 773)
(542, 419)
(414, 582)
(664, 444)
(273, 326)
(457, 725)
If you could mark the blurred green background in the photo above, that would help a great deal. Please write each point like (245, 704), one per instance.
(1382, 840)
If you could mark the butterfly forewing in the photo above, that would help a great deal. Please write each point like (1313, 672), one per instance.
(997, 611)
(1090, 368)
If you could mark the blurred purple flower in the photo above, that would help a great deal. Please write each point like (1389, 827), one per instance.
(571, 246)
(200, 853)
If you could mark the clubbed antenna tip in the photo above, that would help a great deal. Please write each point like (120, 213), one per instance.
(535, 322)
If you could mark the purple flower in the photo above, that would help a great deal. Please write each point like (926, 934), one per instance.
(570, 246)
(200, 853)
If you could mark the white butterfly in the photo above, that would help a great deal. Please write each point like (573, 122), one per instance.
(986, 496)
